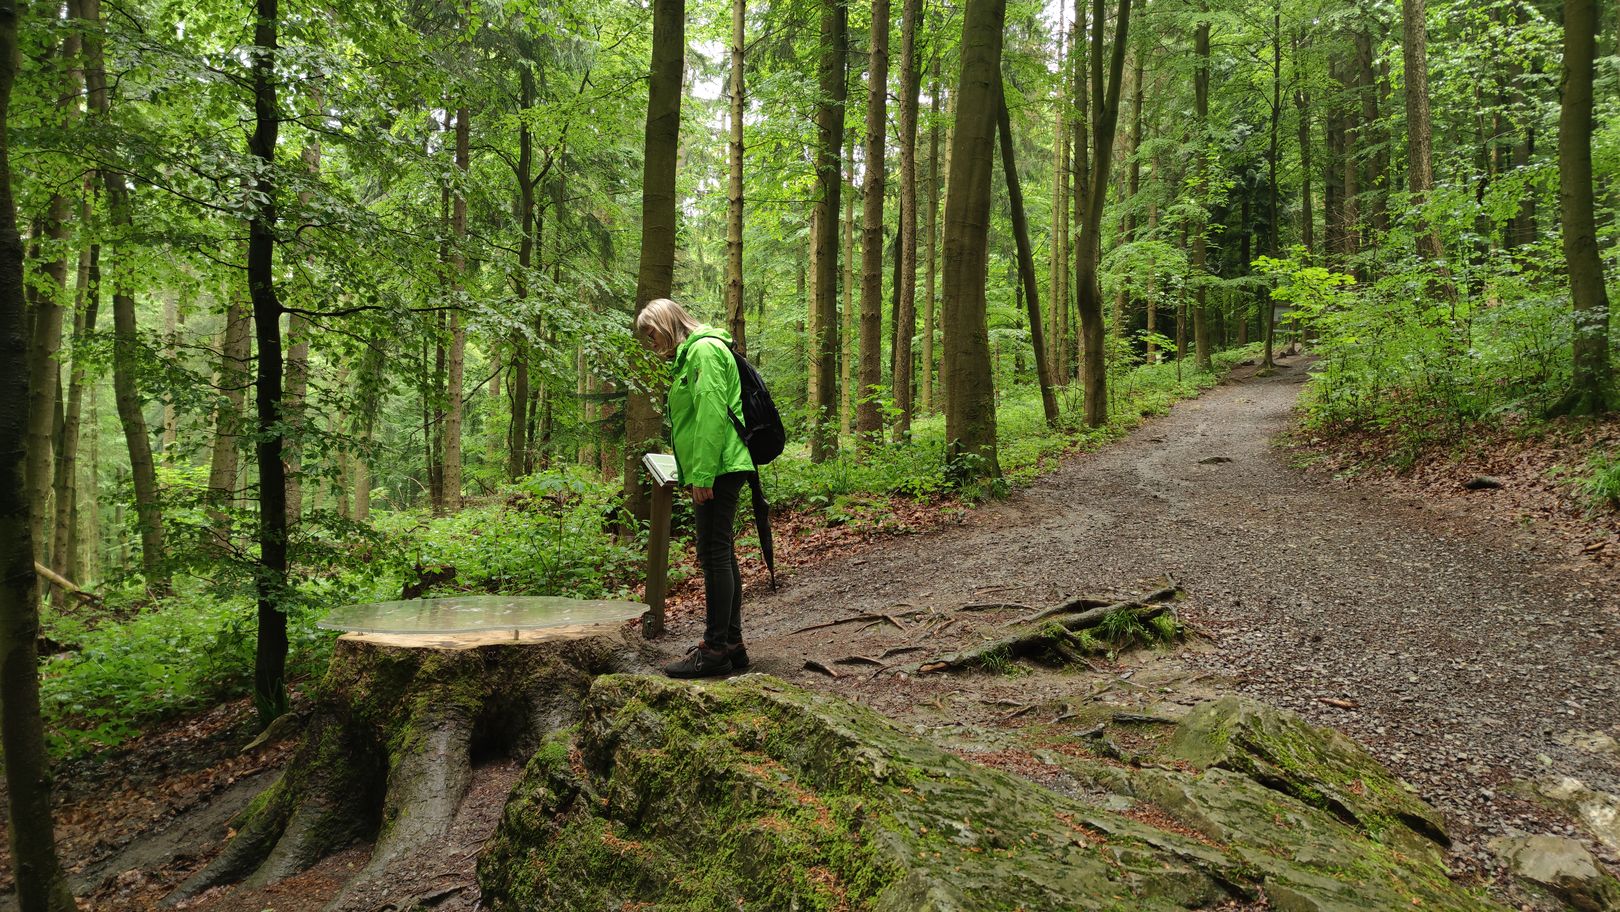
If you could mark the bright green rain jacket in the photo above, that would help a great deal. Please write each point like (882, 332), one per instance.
(704, 393)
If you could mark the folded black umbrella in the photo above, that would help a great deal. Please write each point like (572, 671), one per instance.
(762, 522)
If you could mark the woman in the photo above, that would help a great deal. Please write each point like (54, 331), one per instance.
(712, 461)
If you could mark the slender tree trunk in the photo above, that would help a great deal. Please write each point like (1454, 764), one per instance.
(846, 359)
(656, 275)
(125, 342)
(970, 404)
(830, 130)
(1057, 268)
(1268, 310)
(1026, 256)
(1589, 388)
(235, 353)
(1375, 156)
(1350, 161)
(458, 330)
(517, 429)
(933, 239)
(269, 670)
(1084, 52)
(1152, 303)
(868, 408)
(295, 389)
(170, 439)
(64, 540)
(1200, 255)
(1105, 105)
(736, 315)
(1307, 217)
(41, 886)
(44, 380)
(1419, 168)
(910, 89)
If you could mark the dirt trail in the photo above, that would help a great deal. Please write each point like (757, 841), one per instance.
(1471, 653)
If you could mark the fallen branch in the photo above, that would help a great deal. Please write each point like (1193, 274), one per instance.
(813, 665)
(66, 585)
(859, 660)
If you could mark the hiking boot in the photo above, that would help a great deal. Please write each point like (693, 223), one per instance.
(700, 662)
(739, 656)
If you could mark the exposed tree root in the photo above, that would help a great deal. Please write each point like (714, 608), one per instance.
(1070, 632)
(390, 743)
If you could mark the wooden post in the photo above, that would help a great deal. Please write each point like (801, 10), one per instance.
(658, 558)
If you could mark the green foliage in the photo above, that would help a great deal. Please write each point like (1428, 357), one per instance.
(1601, 485)
(546, 535)
(157, 660)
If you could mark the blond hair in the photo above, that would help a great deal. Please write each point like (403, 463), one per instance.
(670, 320)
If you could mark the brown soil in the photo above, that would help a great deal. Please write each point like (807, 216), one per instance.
(1459, 648)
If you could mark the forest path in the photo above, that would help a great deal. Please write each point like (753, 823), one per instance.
(1473, 656)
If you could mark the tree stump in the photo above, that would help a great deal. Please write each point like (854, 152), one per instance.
(388, 747)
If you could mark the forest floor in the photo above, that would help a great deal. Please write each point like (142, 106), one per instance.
(1468, 649)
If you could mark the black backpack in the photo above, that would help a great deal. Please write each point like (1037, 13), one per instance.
(761, 427)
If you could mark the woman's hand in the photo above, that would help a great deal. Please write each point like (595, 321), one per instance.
(702, 495)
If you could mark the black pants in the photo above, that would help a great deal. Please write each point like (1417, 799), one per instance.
(717, 555)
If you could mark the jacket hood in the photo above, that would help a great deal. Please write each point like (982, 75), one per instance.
(702, 332)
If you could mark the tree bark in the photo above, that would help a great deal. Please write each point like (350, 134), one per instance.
(736, 315)
(910, 89)
(868, 407)
(1375, 157)
(1307, 217)
(64, 538)
(518, 444)
(44, 383)
(1419, 168)
(656, 274)
(270, 664)
(846, 359)
(1200, 240)
(970, 404)
(458, 329)
(235, 352)
(1589, 391)
(149, 515)
(1026, 257)
(933, 239)
(41, 886)
(1268, 310)
(829, 182)
(1105, 104)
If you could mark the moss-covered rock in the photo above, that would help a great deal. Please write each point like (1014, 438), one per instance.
(1319, 766)
(753, 794)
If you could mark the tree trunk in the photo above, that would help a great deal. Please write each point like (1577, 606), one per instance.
(1419, 168)
(1268, 310)
(970, 404)
(1026, 257)
(64, 540)
(829, 182)
(1589, 387)
(933, 239)
(1375, 157)
(149, 516)
(736, 316)
(1200, 249)
(1105, 105)
(235, 352)
(656, 274)
(868, 407)
(295, 388)
(910, 89)
(517, 443)
(1058, 269)
(269, 670)
(41, 886)
(1080, 56)
(458, 329)
(846, 359)
(1307, 218)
